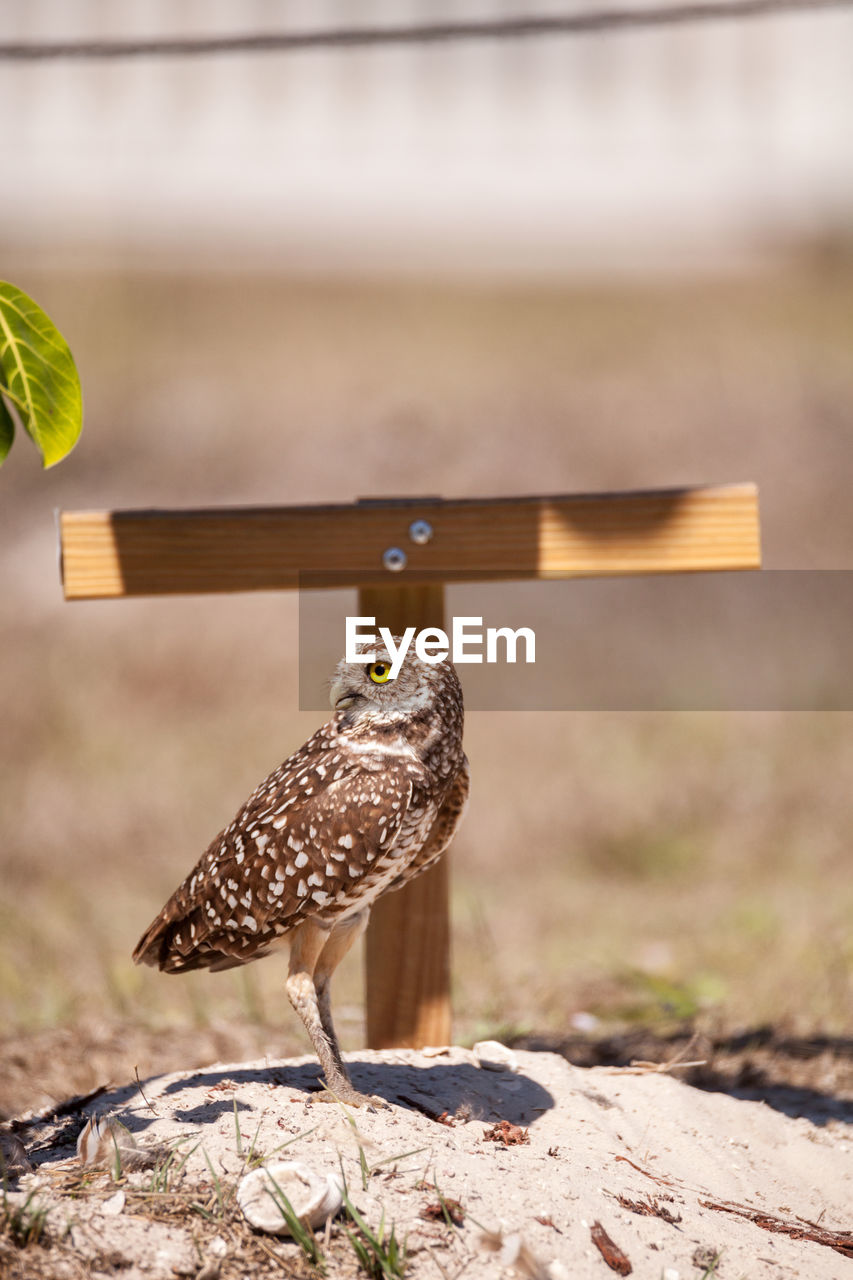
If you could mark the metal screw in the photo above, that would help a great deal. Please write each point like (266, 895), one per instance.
(394, 559)
(420, 531)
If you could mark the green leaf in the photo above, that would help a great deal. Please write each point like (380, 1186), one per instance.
(38, 376)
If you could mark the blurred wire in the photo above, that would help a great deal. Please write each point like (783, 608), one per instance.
(585, 23)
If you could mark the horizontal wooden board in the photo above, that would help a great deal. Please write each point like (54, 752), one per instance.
(133, 553)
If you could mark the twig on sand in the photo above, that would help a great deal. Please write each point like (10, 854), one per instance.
(801, 1229)
(639, 1067)
(611, 1253)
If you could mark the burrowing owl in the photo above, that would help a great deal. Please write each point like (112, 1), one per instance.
(370, 801)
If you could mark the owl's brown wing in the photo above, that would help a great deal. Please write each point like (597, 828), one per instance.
(296, 846)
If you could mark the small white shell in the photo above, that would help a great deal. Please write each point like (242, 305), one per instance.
(494, 1056)
(314, 1196)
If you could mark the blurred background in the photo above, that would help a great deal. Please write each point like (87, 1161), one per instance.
(553, 264)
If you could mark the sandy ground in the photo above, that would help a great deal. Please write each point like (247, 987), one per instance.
(685, 1183)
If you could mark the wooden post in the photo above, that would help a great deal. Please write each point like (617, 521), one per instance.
(407, 952)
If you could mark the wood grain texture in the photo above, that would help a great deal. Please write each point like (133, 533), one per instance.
(131, 553)
(407, 951)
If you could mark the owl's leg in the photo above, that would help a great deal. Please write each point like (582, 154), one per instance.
(340, 940)
(306, 945)
(315, 953)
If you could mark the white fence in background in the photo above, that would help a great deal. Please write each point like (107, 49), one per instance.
(672, 147)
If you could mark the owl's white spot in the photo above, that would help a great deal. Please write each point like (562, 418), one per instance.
(265, 871)
(295, 844)
(277, 889)
(301, 859)
(177, 939)
(262, 842)
(246, 900)
(290, 869)
(320, 897)
(239, 856)
(249, 922)
(312, 833)
(301, 889)
(330, 869)
(354, 871)
(320, 770)
(279, 823)
(232, 901)
(315, 879)
(280, 873)
(345, 841)
(233, 886)
(338, 857)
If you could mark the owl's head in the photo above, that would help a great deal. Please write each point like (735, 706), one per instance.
(365, 691)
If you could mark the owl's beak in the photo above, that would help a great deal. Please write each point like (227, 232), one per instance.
(340, 697)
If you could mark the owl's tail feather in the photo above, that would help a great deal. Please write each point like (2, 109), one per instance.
(157, 946)
(168, 944)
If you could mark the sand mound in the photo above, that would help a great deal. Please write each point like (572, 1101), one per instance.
(591, 1168)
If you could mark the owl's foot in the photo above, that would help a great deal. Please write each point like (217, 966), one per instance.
(350, 1097)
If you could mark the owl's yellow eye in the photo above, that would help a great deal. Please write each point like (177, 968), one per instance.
(379, 672)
